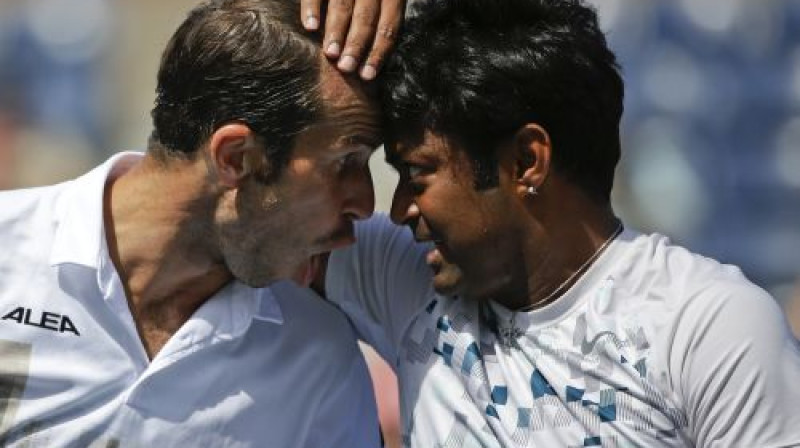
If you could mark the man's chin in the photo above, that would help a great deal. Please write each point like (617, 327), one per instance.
(448, 281)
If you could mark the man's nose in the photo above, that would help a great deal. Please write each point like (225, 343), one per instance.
(404, 210)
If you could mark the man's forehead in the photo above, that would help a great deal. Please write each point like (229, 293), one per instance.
(348, 106)
(348, 118)
(338, 90)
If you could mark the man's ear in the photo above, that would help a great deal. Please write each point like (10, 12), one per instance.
(533, 151)
(235, 154)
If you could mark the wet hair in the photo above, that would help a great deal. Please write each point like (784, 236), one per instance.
(246, 61)
(475, 71)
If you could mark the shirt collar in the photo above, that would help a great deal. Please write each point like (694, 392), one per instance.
(233, 309)
(269, 309)
(80, 239)
(79, 215)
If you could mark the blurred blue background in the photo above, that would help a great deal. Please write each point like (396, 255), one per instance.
(710, 133)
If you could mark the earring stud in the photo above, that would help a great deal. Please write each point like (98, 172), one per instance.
(532, 191)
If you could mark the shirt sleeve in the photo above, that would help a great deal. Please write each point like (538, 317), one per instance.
(738, 366)
(381, 282)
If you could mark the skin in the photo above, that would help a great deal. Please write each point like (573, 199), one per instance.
(499, 243)
(358, 33)
(220, 221)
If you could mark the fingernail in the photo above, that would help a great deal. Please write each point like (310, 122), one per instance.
(368, 72)
(311, 22)
(347, 63)
(333, 49)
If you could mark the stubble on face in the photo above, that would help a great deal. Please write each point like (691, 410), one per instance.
(241, 225)
(278, 229)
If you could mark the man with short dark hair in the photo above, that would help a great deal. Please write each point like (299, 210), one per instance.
(531, 316)
(134, 301)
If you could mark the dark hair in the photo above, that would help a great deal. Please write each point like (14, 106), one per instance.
(476, 71)
(243, 61)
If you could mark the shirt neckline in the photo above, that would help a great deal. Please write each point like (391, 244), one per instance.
(564, 305)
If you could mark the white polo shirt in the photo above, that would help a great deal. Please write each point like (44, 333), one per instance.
(276, 367)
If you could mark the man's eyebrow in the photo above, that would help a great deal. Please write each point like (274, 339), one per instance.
(367, 140)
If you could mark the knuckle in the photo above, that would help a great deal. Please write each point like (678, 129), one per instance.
(387, 33)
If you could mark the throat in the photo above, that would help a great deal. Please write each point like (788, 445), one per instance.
(159, 316)
(550, 291)
(157, 324)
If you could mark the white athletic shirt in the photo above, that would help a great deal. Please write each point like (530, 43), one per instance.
(252, 368)
(653, 347)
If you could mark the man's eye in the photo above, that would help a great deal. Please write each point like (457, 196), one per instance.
(346, 160)
(414, 171)
(357, 157)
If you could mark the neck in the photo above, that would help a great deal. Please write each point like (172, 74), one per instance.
(560, 249)
(159, 241)
(570, 271)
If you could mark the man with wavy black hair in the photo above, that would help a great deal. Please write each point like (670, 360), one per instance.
(142, 304)
(530, 316)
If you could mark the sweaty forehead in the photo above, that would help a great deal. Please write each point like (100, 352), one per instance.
(349, 117)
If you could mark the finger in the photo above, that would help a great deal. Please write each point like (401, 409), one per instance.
(362, 30)
(309, 14)
(336, 24)
(385, 37)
